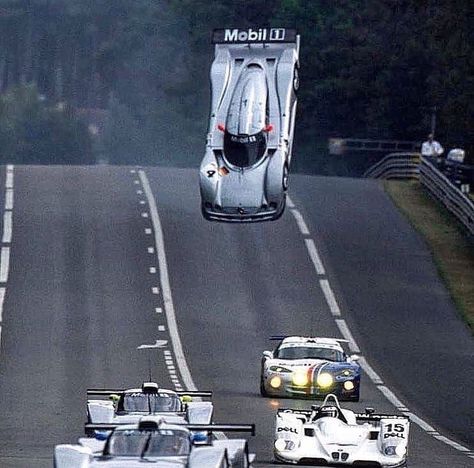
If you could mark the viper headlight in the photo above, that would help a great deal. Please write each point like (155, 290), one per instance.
(275, 382)
(300, 378)
(283, 370)
(348, 385)
(324, 380)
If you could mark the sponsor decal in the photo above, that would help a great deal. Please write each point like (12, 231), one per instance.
(287, 429)
(393, 434)
(236, 35)
(246, 139)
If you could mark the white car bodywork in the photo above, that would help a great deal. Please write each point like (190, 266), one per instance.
(330, 434)
(93, 453)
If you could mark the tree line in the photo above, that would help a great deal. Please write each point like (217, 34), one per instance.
(369, 69)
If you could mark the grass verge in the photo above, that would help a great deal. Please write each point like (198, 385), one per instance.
(448, 240)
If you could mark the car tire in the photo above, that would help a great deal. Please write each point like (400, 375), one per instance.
(296, 80)
(286, 176)
(263, 392)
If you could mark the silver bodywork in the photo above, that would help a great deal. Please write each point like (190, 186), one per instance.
(330, 434)
(244, 173)
(93, 453)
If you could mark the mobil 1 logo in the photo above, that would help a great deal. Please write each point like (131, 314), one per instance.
(236, 35)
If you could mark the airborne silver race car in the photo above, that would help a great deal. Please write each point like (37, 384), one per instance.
(254, 78)
(328, 434)
(129, 406)
(153, 442)
(309, 367)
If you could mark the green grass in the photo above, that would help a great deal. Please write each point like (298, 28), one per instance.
(447, 238)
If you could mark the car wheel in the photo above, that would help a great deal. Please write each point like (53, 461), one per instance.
(296, 80)
(286, 176)
(263, 392)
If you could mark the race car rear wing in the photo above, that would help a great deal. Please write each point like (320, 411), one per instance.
(282, 337)
(109, 391)
(360, 417)
(250, 428)
(254, 35)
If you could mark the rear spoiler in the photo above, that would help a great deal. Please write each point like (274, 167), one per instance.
(90, 428)
(359, 416)
(282, 337)
(111, 391)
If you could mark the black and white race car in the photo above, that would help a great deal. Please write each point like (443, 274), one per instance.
(254, 78)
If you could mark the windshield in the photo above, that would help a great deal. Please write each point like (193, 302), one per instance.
(244, 150)
(149, 402)
(307, 352)
(139, 443)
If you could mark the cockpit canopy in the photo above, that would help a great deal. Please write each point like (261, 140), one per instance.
(245, 150)
(149, 402)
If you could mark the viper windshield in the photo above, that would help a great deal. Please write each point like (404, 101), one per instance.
(244, 150)
(307, 352)
(149, 403)
(139, 443)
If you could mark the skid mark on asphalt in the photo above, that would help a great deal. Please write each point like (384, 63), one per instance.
(6, 239)
(346, 333)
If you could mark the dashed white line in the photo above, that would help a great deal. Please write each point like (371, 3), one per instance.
(314, 255)
(151, 250)
(155, 290)
(147, 231)
(4, 264)
(152, 270)
(2, 300)
(158, 310)
(300, 222)
(330, 298)
(289, 202)
(9, 199)
(7, 227)
(142, 202)
(392, 398)
(136, 182)
(161, 328)
(9, 180)
(144, 215)
(139, 192)
(370, 372)
(346, 333)
(165, 286)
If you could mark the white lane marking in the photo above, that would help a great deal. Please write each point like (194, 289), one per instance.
(346, 333)
(7, 227)
(289, 202)
(147, 231)
(152, 270)
(142, 202)
(9, 180)
(314, 255)
(157, 344)
(136, 182)
(2, 300)
(133, 171)
(9, 199)
(370, 372)
(4, 264)
(300, 222)
(161, 328)
(151, 250)
(145, 215)
(392, 398)
(165, 286)
(139, 192)
(330, 298)
(155, 290)
(158, 310)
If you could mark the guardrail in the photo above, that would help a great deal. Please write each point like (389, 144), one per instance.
(413, 166)
(396, 166)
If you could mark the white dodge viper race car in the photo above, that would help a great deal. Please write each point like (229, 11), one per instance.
(328, 434)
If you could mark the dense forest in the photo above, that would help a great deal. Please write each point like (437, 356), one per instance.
(127, 81)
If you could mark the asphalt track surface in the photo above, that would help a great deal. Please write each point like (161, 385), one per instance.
(82, 295)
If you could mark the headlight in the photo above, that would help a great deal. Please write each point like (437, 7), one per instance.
(275, 382)
(279, 369)
(324, 380)
(348, 385)
(300, 378)
(346, 373)
(281, 445)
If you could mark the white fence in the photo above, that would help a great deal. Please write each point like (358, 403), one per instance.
(413, 166)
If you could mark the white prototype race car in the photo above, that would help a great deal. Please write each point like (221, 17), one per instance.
(152, 442)
(129, 406)
(328, 434)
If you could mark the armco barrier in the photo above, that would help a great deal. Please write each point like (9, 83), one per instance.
(413, 166)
